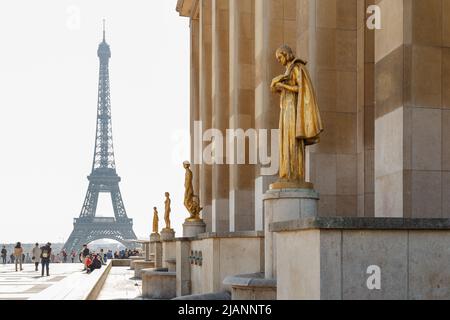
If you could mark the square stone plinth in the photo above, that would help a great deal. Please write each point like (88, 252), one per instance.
(363, 259)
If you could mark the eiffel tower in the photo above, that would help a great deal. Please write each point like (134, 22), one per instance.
(104, 178)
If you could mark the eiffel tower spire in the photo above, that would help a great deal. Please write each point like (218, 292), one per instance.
(103, 178)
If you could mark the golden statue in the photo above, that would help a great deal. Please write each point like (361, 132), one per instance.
(167, 211)
(191, 201)
(155, 220)
(300, 121)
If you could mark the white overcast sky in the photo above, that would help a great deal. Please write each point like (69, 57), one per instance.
(48, 101)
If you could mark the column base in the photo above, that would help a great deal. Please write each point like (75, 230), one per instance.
(193, 228)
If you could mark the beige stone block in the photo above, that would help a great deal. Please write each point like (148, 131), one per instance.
(385, 249)
(426, 82)
(427, 22)
(347, 206)
(389, 82)
(327, 89)
(389, 196)
(426, 194)
(446, 140)
(389, 143)
(391, 36)
(446, 23)
(369, 127)
(346, 92)
(429, 254)
(369, 205)
(326, 13)
(346, 14)
(301, 252)
(330, 265)
(327, 206)
(446, 78)
(446, 194)
(324, 173)
(426, 139)
(290, 9)
(326, 48)
(346, 50)
(369, 171)
(346, 174)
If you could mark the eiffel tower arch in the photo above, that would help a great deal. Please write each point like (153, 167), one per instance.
(104, 177)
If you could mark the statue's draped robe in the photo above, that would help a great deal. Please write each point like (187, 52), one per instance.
(300, 121)
(167, 213)
(155, 222)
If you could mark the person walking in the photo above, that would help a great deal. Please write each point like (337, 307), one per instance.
(73, 255)
(4, 254)
(36, 256)
(46, 252)
(18, 255)
(64, 254)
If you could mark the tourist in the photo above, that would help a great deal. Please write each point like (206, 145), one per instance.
(116, 255)
(85, 254)
(36, 256)
(95, 264)
(109, 255)
(4, 254)
(18, 255)
(11, 258)
(102, 257)
(64, 254)
(87, 262)
(46, 253)
(73, 254)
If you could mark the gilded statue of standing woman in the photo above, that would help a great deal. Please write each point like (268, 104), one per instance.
(155, 220)
(167, 210)
(191, 201)
(300, 121)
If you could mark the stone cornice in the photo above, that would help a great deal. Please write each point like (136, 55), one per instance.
(341, 223)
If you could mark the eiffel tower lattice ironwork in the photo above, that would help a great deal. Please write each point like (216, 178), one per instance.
(104, 178)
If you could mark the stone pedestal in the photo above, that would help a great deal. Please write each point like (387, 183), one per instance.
(168, 246)
(167, 235)
(155, 237)
(192, 229)
(285, 205)
(133, 262)
(141, 265)
(158, 284)
(251, 287)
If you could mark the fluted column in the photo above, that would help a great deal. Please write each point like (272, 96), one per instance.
(205, 66)
(220, 115)
(242, 102)
(275, 24)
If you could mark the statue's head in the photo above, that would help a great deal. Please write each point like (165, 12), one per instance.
(167, 194)
(155, 209)
(186, 164)
(284, 55)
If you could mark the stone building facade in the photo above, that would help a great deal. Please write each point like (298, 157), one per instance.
(382, 168)
(384, 96)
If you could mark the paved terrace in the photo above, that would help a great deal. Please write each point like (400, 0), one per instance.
(68, 282)
(28, 283)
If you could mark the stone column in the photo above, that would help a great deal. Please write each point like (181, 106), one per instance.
(242, 102)
(412, 126)
(220, 115)
(275, 25)
(328, 40)
(156, 248)
(195, 101)
(205, 66)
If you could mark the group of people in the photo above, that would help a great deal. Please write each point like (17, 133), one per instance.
(42, 255)
(39, 255)
(126, 253)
